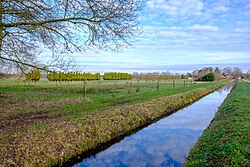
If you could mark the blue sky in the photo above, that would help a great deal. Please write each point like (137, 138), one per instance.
(182, 35)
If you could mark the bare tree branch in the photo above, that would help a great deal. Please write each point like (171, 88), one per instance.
(24, 64)
(27, 27)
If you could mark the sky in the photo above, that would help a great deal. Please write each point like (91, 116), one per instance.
(182, 36)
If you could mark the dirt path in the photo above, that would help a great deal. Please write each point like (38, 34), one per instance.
(245, 80)
(18, 115)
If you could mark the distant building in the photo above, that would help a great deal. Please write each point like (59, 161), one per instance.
(230, 77)
(195, 78)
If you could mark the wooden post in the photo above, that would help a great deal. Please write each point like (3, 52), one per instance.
(173, 83)
(2, 10)
(184, 82)
(99, 87)
(131, 87)
(85, 89)
(138, 86)
(158, 85)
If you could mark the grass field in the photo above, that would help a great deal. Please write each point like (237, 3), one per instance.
(68, 97)
(44, 121)
(226, 142)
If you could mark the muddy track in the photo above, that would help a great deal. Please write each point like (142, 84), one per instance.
(20, 121)
(36, 112)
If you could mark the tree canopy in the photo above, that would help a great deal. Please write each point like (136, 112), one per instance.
(27, 27)
(208, 77)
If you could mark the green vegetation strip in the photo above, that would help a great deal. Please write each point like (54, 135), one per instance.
(226, 142)
(67, 98)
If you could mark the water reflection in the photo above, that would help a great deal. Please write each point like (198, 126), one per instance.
(164, 143)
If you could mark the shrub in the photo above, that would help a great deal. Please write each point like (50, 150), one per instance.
(33, 75)
(208, 77)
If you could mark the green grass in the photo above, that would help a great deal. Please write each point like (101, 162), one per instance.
(226, 142)
(103, 95)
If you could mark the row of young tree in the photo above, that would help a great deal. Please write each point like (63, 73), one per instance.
(153, 76)
(73, 76)
(117, 76)
(204, 74)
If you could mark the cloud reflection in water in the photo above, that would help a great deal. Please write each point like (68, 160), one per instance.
(164, 143)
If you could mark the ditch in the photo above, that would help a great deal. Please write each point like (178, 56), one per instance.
(165, 142)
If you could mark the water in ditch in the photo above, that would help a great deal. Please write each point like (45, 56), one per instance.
(164, 143)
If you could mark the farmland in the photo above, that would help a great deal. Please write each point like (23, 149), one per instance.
(79, 77)
(21, 98)
(50, 122)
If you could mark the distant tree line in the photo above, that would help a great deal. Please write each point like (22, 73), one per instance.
(117, 76)
(210, 74)
(73, 76)
(6, 76)
(155, 76)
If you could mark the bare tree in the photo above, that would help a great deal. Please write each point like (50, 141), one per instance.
(27, 27)
(218, 74)
(227, 71)
(237, 72)
(248, 74)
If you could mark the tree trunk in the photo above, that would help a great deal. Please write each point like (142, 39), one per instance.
(1, 26)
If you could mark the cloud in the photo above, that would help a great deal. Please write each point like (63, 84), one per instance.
(242, 30)
(178, 42)
(224, 56)
(175, 28)
(198, 27)
(178, 7)
(220, 6)
(220, 9)
(195, 9)
(174, 34)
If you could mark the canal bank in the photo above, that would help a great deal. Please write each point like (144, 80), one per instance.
(226, 142)
(111, 126)
(165, 142)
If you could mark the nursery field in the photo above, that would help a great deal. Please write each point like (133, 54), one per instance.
(60, 99)
(46, 123)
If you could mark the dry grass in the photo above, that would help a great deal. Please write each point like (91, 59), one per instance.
(18, 115)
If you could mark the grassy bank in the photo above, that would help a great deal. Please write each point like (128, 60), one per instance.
(226, 142)
(43, 135)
